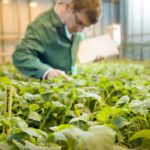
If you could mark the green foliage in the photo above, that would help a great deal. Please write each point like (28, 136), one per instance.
(103, 100)
(140, 134)
(76, 139)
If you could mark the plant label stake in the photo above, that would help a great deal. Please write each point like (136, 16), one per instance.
(8, 106)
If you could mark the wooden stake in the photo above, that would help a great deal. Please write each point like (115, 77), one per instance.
(8, 105)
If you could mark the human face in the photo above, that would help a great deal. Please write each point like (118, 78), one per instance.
(76, 21)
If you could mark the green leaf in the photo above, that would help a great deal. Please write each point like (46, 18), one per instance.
(57, 104)
(30, 97)
(32, 132)
(18, 145)
(19, 122)
(146, 103)
(5, 122)
(84, 117)
(97, 137)
(31, 146)
(80, 83)
(140, 134)
(138, 106)
(35, 116)
(104, 114)
(120, 122)
(102, 138)
(47, 105)
(118, 111)
(59, 136)
(5, 80)
(6, 146)
(123, 100)
(89, 94)
(3, 137)
(117, 147)
(34, 107)
(135, 106)
(60, 127)
(46, 96)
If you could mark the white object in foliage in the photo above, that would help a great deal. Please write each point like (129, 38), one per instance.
(90, 48)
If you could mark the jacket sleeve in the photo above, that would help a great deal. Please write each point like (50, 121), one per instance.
(27, 55)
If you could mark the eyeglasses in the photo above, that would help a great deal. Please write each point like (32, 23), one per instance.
(78, 21)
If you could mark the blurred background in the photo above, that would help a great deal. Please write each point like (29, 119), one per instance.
(127, 21)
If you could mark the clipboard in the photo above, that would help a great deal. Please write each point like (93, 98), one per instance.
(90, 48)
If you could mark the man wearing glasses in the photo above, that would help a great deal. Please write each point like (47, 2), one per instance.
(49, 48)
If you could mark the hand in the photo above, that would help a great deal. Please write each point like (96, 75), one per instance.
(56, 72)
(98, 58)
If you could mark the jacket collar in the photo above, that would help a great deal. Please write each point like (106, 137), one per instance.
(57, 22)
(55, 19)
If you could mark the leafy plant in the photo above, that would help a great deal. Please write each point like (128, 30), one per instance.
(106, 105)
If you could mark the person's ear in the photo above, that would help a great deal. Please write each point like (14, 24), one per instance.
(70, 7)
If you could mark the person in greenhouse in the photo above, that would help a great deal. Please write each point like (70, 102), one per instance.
(49, 48)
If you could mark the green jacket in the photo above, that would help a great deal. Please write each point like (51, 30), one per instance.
(46, 45)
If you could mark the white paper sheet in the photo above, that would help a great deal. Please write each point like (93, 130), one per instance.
(90, 48)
